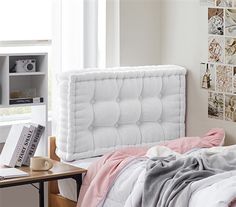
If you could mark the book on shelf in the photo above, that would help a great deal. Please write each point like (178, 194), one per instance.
(33, 144)
(6, 173)
(13, 145)
(26, 100)
(21, 144)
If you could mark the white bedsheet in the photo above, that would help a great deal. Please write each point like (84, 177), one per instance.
(67, 187)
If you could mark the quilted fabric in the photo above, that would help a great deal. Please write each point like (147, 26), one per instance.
(104, 109)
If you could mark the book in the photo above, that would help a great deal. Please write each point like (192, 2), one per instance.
(33, 144)
(26, 100)
(27, 138)
(13, 145)
(6, 173)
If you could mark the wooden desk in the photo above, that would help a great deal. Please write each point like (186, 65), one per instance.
(59, 171)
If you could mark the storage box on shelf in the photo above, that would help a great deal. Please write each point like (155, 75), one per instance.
(22, 86)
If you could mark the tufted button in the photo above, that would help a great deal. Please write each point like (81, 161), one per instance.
(92, 101)
(138, 123)
(116, 125)
(90, 128)
(117, 100)
(160, 120)
(140, 97)
(160, 95)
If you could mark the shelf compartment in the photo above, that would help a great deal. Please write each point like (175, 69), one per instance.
(22, 83)
(41, 61)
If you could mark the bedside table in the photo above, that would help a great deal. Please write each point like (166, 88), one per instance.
(59, 171)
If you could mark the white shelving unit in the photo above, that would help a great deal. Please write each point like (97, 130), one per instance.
(12, 81)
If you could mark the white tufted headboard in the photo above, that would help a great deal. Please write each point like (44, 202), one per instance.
(101, 110)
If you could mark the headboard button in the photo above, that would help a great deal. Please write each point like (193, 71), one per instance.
(92, 101)
(116, 125)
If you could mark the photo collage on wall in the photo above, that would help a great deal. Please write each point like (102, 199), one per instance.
(218, 75)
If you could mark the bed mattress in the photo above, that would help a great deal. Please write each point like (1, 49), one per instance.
(67, 187)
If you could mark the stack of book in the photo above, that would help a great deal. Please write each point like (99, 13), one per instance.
(21, 144)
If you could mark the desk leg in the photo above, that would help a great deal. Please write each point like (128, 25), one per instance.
(41, 194)
(78, 180)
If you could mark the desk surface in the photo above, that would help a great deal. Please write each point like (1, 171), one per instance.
(59, 171)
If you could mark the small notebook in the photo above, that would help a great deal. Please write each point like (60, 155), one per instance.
(6, 173)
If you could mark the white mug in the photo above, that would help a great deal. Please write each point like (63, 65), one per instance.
(40, 163)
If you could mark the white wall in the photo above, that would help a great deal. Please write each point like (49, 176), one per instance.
(171, 32)
(113, 33)
(140, 32)
(184, 42)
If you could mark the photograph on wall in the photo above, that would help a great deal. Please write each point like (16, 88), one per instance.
(224, 3)
(211, 2)
(215, 21)
(230, 22)
(230, 108)
(230, 50)
(216, 49)
(215, 105)
(224, 78)
(234, 80)
(207, 79)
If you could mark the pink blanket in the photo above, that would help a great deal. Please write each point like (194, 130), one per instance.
(94, 186)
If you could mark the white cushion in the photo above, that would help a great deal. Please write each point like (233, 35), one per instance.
(102, 110)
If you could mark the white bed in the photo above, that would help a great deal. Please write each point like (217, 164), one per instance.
(108, 110)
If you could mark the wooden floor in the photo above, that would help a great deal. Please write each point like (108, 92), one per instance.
(59, 201)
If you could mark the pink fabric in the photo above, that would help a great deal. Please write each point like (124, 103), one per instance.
(102, 174)
(213, 138)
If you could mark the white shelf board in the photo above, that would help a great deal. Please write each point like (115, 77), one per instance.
(27, 74)
(21, 105)
(23, 54)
